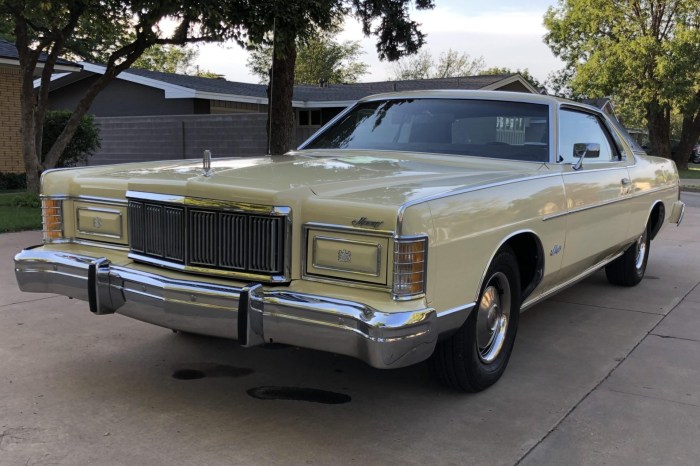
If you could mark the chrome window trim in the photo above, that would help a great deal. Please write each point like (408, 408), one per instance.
(341, 229)
(338, 269)
(95, 209)
(613, 143)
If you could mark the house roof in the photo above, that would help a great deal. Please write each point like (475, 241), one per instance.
(9, 55)
(305, 96)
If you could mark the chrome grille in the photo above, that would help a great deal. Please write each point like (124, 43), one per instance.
(209, 240)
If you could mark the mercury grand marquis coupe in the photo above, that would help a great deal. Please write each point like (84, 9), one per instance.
(413, 226)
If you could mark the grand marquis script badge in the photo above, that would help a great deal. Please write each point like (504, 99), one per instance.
(364, 222)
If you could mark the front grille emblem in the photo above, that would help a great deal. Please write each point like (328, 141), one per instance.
(97, 222)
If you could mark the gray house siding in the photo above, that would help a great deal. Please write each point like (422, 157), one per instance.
(135, 139)
(124, 98)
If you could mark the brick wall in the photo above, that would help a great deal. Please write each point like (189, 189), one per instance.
(135, 139)
(10, 140)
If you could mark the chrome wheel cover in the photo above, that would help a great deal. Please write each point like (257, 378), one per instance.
(492, 318)
(641, 250)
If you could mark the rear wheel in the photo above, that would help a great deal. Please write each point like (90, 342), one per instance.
(476, 356)
(629, 268)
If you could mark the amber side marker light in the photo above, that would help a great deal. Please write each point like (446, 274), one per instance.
(410, 256)
(52, 219)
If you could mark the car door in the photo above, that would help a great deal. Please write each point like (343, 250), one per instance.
(596, 181)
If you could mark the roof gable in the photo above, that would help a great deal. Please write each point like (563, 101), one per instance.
(305, 96)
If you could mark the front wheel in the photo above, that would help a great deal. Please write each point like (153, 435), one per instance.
(476, 356)
(629, 268)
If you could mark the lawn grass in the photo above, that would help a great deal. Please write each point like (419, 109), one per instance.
(19, 212)
(693, 172)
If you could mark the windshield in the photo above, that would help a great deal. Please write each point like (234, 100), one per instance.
(483, 128)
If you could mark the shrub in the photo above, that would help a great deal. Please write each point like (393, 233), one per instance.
(13, 181)
(84, 143)
(25, 200)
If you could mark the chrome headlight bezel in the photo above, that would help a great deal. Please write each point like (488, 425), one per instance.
(372, 247)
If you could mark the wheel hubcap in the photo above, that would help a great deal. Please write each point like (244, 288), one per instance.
(492, 317)
(641, 250)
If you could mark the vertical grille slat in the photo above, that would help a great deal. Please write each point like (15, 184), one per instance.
(213, 239)
(233, 241)
(203, 244)
(136, 226)
(174, 233)
(153, 230)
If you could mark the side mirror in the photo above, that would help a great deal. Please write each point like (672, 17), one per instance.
(583, 150)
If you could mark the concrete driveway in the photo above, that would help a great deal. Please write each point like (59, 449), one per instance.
(600, 375)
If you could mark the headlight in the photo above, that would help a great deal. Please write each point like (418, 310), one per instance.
(410, 261)
(52, 219)
(99, 223)
(346, 255)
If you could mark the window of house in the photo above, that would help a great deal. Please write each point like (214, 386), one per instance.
(309, 117)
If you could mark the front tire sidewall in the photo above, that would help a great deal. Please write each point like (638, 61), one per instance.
(480, 373)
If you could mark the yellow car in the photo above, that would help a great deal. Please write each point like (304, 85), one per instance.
(413, 226)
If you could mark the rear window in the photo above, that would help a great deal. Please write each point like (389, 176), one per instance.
(482, 128)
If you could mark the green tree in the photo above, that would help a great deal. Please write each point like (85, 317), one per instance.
(641, 52)
(83, 144)
(114, 32)
(284, 24)
(525, 73)
(450, 64)
(319, 58)
(167, 58)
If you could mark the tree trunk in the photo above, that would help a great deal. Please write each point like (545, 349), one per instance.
(659, 126)
(28, 131)
(689, 137)
(28, 59)
(281, 114)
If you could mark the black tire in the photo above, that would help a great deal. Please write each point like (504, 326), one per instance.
(629, 268)
(460, 362)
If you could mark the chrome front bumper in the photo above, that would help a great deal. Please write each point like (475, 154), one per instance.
(251, 314)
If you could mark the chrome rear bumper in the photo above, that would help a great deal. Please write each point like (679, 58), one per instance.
(252, 314)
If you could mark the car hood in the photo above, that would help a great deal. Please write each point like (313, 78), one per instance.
(386, 178)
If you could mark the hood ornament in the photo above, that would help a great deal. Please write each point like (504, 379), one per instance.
(206, 163)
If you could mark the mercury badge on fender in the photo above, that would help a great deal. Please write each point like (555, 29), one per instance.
(413, 226)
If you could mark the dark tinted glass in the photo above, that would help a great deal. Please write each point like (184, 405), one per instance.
(483, 128)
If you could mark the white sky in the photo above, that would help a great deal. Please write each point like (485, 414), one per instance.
(507, 33)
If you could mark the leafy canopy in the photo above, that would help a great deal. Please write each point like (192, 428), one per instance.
(320, 58)
(643, 53)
